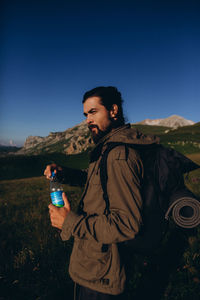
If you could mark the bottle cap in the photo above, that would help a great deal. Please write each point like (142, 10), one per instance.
(53, 175)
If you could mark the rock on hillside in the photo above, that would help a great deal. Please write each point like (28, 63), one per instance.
(173, 121)
(73, 140)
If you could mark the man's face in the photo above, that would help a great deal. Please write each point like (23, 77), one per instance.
(98, 118)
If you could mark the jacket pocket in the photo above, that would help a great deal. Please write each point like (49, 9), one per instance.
(90, 260)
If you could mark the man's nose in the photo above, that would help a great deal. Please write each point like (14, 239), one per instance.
(89, 119)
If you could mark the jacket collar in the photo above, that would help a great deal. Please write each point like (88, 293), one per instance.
(113, 132)
(97, 150)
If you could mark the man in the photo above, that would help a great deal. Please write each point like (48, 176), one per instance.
(96, 263)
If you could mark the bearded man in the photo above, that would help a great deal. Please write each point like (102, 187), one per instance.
(96, 264)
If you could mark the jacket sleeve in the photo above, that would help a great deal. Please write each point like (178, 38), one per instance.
(124, 219)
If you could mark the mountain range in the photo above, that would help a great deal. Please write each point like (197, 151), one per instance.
(173, 121)
(77, 139)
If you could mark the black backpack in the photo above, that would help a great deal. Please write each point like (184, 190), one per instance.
(163, 191)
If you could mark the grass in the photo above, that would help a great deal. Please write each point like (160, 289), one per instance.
(34, 260)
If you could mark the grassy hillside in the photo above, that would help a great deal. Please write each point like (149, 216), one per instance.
(183, 139)
(21, 166)
(187, 132)
(34, 260)
(147, 129)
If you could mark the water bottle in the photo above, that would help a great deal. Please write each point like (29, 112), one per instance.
(56, 191)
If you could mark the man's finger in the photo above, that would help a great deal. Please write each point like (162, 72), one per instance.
(66, 201)
(47, 171)
(52, 207)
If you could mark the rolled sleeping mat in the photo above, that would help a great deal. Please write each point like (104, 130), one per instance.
(184, 209)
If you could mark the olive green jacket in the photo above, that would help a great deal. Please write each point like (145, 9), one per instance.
(95, 260)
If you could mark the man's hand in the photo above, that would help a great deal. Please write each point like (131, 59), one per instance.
(58, 214)
(50, 168)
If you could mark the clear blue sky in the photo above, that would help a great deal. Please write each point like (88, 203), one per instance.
(53, 51)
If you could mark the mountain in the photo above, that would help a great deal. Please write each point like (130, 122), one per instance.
(77, 139)
(173, 121)
(71, 141)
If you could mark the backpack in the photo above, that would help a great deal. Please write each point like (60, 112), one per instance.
(164, 193)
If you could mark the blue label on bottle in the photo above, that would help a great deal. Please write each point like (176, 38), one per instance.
(56, 198)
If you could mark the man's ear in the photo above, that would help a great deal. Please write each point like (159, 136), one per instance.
(114, 111)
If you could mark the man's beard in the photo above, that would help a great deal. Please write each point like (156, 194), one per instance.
(97, 136)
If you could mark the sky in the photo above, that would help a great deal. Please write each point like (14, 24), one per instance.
(53, 51)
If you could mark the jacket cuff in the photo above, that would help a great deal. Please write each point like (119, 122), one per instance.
(70, 221)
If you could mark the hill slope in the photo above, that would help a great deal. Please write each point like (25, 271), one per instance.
(77, 139)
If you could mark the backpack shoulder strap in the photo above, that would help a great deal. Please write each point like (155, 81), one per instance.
(143, 152)
(104, 170)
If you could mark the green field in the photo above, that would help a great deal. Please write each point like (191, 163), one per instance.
(34, 260)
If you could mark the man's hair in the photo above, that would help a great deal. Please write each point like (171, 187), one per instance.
(109, 95)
